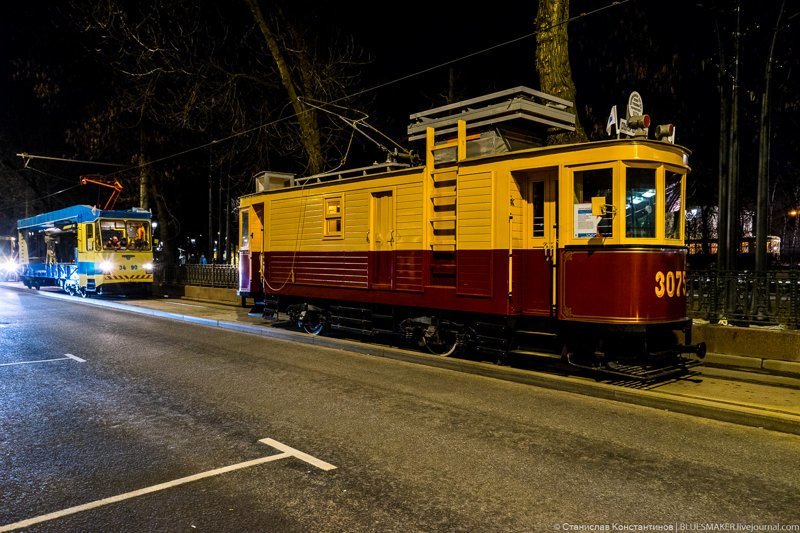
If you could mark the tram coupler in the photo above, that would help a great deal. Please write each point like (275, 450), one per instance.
(698, 349)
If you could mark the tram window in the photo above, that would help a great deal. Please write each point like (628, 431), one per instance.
(640, 201)
(125, 234)
(672, 205)
(333, 217)
(138, 235)
(245, 229)
(589, 184)
(90, 237)
(537, 202)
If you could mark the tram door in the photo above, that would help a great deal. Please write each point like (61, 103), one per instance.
(534, 248)
(381, 237)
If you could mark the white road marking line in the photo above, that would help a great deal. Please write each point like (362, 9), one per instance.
(322, 465)
(32, 362)
(67, 358)
(286, 452)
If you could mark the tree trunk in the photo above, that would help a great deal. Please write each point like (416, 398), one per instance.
(144, 173)
(164, 223)
(552, 61)
(306, 116)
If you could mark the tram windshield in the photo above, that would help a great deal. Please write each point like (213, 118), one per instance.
(672, 205)
(640, 202)
(589, 184)
(125, 234)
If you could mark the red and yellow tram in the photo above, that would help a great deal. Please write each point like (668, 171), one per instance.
(573, 252)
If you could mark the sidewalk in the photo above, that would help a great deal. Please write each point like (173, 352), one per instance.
(753, 398)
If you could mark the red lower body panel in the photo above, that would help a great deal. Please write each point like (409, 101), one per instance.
(473, 281)
(622, 286)
(643, 286)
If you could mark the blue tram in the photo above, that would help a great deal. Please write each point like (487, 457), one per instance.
(85, 250)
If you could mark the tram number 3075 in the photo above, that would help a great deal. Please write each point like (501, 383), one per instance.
(670, 284)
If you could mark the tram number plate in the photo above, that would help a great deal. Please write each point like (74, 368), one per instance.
(670, 284)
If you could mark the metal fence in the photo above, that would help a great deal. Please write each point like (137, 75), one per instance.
(745, 297)
(225, 276)
(740, 297)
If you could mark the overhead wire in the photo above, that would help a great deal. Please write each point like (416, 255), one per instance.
(614, 4)
(12, 205)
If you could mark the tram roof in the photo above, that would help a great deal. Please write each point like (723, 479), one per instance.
(78, 213)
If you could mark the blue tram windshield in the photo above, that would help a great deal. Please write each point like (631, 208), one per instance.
(125, 234)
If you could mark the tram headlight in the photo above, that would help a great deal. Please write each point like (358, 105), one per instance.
(106, 267)
(8, 266)
(148, 267)
(639, 121)
(664, 131)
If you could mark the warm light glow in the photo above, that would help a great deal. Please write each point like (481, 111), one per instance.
(9, 266)
(794, 213)
(106, 266)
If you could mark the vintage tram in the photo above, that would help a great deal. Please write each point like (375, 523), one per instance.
(88, 251)
(494, 244)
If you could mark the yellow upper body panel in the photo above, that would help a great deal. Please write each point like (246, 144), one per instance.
(478, 203)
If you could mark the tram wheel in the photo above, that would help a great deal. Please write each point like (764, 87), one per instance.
(438, 342)
(313, 323)
(315, 329)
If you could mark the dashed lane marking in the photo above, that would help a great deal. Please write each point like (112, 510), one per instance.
(68, 357)
(286, 451)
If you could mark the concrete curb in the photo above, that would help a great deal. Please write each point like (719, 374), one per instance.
(704, 408)
(790, 368)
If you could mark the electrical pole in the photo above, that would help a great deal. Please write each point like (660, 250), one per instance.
(731, 231)
(210, 206)
(762, 192)
(228, 220)
(218, 256)
(722, 171)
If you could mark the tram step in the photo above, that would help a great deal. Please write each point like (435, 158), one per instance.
(536, 354)
(489, 326)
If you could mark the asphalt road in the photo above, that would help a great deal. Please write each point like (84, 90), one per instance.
(415, 448)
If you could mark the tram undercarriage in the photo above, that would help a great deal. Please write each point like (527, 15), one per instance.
(633, 352)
